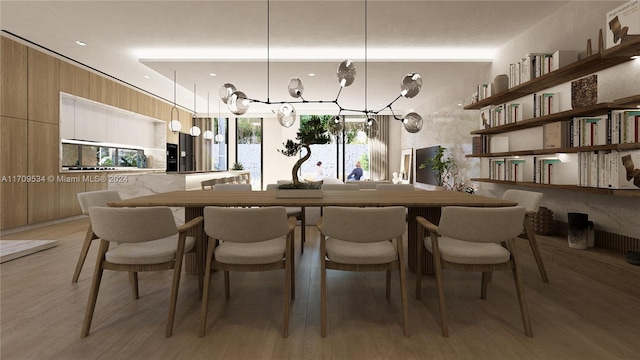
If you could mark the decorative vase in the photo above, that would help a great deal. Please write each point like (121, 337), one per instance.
(501, 83)
(578, 230)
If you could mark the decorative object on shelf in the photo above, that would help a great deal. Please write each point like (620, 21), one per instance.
(174, 124)
(600, 42)
(311, 132)
(194, 130)
(501, 83)
(543, 222)
(589, 49)
(622, 22)
(578, 230)
(584, 92)
(238, 102)
(237, 166)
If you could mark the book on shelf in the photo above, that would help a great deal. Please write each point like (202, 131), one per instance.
(584, 92)
(562, 58)
(484, 91)
(497, 169)
(556, 135)
(624, 126)
(545, 104)
(515, 170)
(477, 146)
(514, 113)
(498, 144)
(625, 169)
(622, 22)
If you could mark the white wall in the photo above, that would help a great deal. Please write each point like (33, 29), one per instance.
(567, 29)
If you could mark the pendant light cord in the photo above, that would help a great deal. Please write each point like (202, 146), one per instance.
(366, 71)
(268, 46)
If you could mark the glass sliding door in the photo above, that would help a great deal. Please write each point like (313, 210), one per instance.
(356, 149)
(249, 148)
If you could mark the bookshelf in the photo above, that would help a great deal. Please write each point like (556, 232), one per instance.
(589, 65)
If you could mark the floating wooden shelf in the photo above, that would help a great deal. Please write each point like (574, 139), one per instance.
(589, 65)
(616, 192)
(619, 147)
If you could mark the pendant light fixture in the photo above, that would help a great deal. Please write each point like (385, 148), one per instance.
(208, 134)
(174, 123)
(219, 137)
(238, 102)
(195, 130)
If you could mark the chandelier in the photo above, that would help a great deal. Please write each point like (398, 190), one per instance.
(238, 102)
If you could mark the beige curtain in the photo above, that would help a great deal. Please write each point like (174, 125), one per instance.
(379, 161)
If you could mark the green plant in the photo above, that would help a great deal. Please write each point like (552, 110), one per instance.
(237, 166)
(364, 162)
(311, 132)
(441, 166)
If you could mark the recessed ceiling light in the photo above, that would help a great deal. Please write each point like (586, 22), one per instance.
(312, 74)
(147, 77)
(213, 74)
(81, 43)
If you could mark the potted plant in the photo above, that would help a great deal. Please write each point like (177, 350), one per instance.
(237, 166)
(445, 169)
(311, 132)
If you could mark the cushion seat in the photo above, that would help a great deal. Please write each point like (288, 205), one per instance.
(262, 252)
(347, 252)
(149, 252)
(466, 252)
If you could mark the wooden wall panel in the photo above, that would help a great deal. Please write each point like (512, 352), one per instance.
(13, 76)
(146, 104)
(127, 98)
(95, 186)
(103, 90)
(13, 191)
(74, 80)
(42, 154)
(68, 201)
(43, 87)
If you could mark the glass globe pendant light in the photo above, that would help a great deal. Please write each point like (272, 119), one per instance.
(335, 125)
(371, 127)
(296, 88)
(195, 130)
(238, 103)
(412, 122)
(225, 92)
(346, 73)
(411, 85)
(286, 115)
(174, 124)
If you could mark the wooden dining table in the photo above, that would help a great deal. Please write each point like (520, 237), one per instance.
(419, 203)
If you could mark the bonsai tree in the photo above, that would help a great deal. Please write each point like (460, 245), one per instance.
(311, 132)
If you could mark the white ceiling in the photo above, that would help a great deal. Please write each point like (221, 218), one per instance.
(233, 39)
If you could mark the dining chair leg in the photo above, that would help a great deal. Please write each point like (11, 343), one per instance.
(388, 285)
(133, 280)
(419, 255)
(517, 278)
(88, 238)
(287, 288)
(227, 292)
(486, 277)
(95, 287)
(403, 289)
(437, 264)
(303, 229)
(205, 291)
(175, 286)
(534, 247)
(323, 290)
(292, 274)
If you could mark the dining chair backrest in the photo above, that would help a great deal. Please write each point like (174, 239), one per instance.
(529, 199)
(477, 224)
(96, 198)
(245, 225)
(272, 187)
(363, 224)
(350, 187)
(331, 180)
(232, 187)
(395, 187)
(131, 225)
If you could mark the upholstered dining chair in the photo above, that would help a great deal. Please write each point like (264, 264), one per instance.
(147, 240)
(298, 213)
(362, 239)
(470, 239)
(249, 239)
(531, 201)
(86, 200)
(211, 183)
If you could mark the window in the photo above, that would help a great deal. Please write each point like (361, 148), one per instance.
(249, 148)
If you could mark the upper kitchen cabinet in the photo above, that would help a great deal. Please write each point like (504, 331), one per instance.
(43, 87)
(90, 121)
(13, 75)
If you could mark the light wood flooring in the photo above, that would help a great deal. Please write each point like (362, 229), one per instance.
(573, 317)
